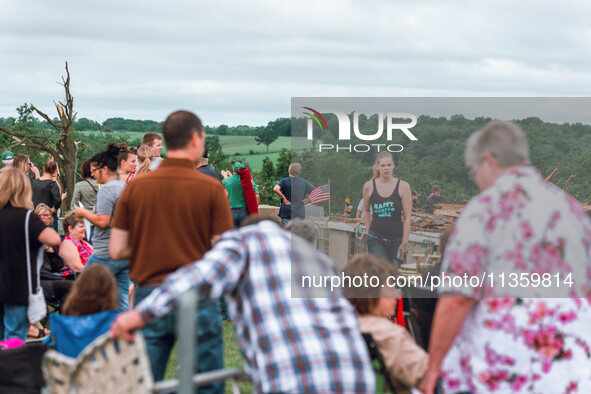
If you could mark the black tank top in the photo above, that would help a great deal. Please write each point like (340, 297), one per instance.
(386, 220)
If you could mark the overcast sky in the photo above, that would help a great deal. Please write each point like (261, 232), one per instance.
(240, 62)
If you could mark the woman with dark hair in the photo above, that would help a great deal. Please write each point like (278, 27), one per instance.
(85, 191)
(127, 161)
(88, 312)
(15, 202)
(46, 190)
(103, 166)
(387, 211)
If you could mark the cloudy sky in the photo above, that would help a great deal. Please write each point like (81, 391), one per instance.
(240, 62)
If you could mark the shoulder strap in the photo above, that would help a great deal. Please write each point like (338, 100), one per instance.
(378, 361)
(28, 252)
(396, 188)
(38, 262)
(87, 181)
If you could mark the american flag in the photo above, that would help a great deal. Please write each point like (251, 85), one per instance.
(321, 193)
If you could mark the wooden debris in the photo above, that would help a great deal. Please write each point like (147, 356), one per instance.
(567, 182)
(551, 176)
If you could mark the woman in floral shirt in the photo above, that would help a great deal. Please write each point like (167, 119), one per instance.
(521, 323)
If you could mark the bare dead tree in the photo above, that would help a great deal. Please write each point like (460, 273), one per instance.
(63, 149)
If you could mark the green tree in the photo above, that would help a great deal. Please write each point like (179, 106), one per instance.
(266, 180)
(86, 124)
(217, 158)
(266, 137)
(283, 162)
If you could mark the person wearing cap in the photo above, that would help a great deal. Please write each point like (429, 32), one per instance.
(7, 158)
(236, 195)
(434, 198)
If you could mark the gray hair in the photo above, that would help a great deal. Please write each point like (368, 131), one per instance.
(295, 169)
(505, 141)
(306, 229)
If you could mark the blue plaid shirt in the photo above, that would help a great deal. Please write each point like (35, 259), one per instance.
(289, 343)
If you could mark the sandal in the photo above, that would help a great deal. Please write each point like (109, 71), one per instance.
(41, 335)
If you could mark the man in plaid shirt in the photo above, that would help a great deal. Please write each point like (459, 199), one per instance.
(290, 343)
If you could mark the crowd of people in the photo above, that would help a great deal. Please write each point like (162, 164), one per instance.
(143, 230)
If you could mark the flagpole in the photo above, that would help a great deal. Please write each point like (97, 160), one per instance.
(329, 197)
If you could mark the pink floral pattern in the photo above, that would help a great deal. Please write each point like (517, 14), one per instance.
(516, 339)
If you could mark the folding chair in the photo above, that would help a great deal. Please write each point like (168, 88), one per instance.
(104, 366)
(383, 381)
(108, 366)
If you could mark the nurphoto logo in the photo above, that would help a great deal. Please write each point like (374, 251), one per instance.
(392, 122)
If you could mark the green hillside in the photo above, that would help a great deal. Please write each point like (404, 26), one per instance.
(235, 146)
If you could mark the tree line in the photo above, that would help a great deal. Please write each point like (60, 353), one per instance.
(436, 158)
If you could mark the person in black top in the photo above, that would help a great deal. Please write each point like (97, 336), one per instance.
(56, 277)
(387, 211)
(15, 200)
(46, 191)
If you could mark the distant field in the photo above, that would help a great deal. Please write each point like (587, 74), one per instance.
(255, 162)
(242, 145)
(134, 135)
(232, 145)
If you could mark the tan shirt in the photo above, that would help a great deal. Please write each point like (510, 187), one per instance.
(171, 215)
(404, 359)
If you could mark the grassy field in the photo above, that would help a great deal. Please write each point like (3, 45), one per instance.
(235, 146)
(232, 358)
(244, 145)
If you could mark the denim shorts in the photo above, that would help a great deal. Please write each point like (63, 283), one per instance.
(385, 248)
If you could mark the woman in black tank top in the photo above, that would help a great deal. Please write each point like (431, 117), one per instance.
(390, 200)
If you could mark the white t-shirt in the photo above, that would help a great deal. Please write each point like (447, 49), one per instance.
(155, 163)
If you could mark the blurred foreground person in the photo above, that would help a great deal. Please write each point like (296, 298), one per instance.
(158, 241)
(88, 312)
(293, 339)
(405, 361)
(529, 329)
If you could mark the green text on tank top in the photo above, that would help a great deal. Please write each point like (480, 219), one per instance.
(387, 212)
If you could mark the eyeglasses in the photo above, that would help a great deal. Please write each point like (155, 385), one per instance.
(92, 170)
(44, 215)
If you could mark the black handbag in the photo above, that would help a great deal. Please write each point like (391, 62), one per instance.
(20, 369)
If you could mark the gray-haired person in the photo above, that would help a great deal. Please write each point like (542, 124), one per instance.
(305, 228)
(292, 191)
(526, 325)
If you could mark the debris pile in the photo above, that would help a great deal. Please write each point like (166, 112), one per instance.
(436, 222)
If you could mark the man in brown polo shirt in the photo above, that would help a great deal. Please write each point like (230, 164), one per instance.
(166, 219)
